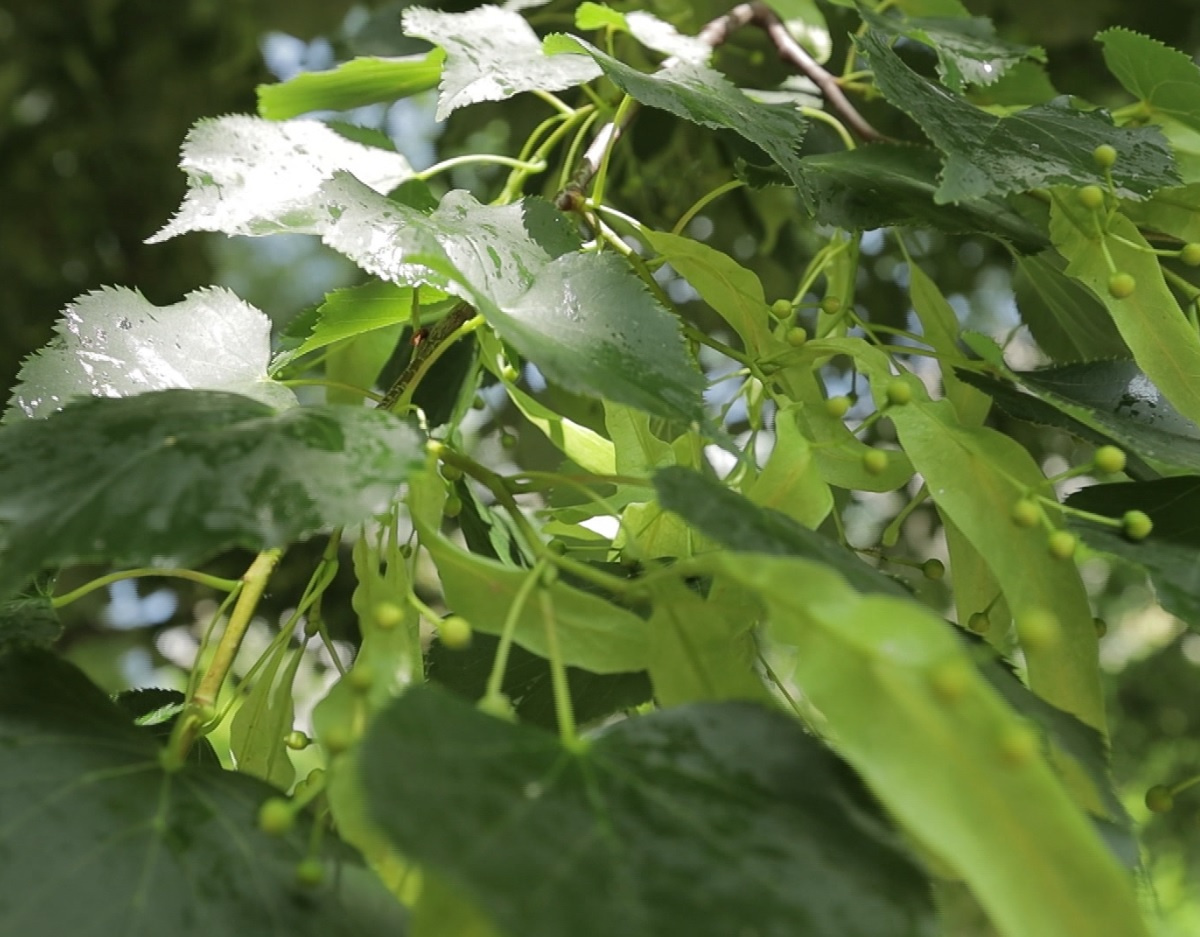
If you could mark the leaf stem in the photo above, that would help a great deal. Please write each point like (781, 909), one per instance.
(454, 161)
(563, 709)
(495, 683)
(703, 201)
(213, 582)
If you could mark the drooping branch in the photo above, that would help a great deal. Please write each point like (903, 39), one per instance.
(715, 33)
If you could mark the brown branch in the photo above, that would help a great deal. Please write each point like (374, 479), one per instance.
(423, 348)
(714, 33)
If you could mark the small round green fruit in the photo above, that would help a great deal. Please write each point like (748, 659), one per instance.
(1039, 630)
(1190, 254)
(979, 623)
(498, 705)
(455, 632)
(1159, 798)
(1026, 513)
(275, 816)
(1091, 196)
(875, 461)
(837, 407)
(797, 336)
(387, 615)
(1101, 627)
(934, 569)
(453, 506)
(1109, 460)
(898, 392)
(831, 305)
(1062, 544)
(1121, 285)
(950, 680)
(781, 309)
(310, 872)
(1105, 156)
(296, 740)
(1136, 525)
(1018, 746)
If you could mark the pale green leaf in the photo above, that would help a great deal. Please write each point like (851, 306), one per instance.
(1166, 80)
(1164, 344)
(492, 54)
(259, 728)
(115, 343)
(950, 760)
(247, 175)
(359, 82)
(791, 482)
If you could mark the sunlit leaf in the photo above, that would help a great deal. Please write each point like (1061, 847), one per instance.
(706, 820)
(111, 843)
(172, 477)
(115, 343)
(359, 82)
(1049, 144)
(247, 175)
(493, 54)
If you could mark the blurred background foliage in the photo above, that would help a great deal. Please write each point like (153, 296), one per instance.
(97, 95)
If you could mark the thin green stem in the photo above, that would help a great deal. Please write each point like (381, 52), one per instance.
(338, 385)
(555, 102)
(429, 360)
(826, 118)
(495, 683)
(487, 158)
(619, 120)
(213, 582)
(703, 201)
(563, 709)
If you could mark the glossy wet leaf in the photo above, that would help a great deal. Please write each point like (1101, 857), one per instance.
(585, 320)
(1067, 320)
(968, 50)
(115, 343)
(528, 684)
(247, 175)
(738, 524)
(493, 54)
(28, 620)
(173, 477)
(889, 184)
(705, 819)
(1164, 343)
(896, 689)
(357, 83)
(1171, 554)
(696, 93)
(593, 634)
(1166, 80)
(110, 843)
(1048, 144)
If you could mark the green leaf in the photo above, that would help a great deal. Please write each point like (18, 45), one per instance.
(1165, 80)
(1049, 144)
(260, 726)
(1068, 322)
(951, 762)
(173, 477)
(593, 634)
(1174, 211)
(527, 682)
(28, 620)
(247, 175)
(968, 50)
(114, 343)
(691, 820)
(736, 523)
(734, 292)
(1171, 554)
(790, 482)
(93, 818)
(697, 93)
(1164, 344)
(352, 84)
(493, 54)
(896, 184)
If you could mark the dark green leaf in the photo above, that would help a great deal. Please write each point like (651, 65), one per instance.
(1067, 320)
(697, 93)
(352, 84)
(492, 54)
(739, 524)
(528, 684)
(28, 620)
(1166, 80)
(176, 476)
(711, 819)
(98, 839)
(1171, 554)
(968, 50)
(154, 712)
(1096, 428)
(889, 184)
(1049, 144)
